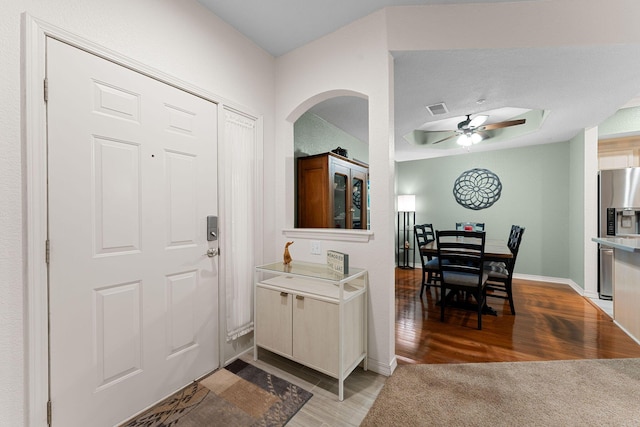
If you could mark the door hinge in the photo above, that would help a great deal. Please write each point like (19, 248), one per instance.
(48, 412)
(46, 90)
(47, 251)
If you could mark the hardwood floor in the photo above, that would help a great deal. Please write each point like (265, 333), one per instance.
(553, 322)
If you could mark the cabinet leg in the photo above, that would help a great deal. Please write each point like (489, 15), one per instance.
(341, 390)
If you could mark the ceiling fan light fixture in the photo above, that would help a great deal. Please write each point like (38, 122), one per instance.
(470, 131)
(464, 140)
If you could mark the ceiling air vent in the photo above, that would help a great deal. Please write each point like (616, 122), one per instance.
(437, 109)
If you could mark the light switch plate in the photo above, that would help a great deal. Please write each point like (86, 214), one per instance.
(316, 248)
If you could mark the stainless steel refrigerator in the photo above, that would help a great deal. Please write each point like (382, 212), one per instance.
(618, 215)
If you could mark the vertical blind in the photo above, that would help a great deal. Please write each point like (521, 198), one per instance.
(239, 207)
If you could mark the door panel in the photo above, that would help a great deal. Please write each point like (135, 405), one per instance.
(181, 200)
(341, 199)
(273, 320)
(133, 297)
(118, 332)
(316, 333)
(117, 194)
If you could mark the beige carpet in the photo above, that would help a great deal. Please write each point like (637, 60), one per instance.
(558, 393)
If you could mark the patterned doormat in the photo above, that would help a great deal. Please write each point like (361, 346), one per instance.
(238, 395)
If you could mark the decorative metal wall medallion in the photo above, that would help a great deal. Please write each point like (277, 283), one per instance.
(477, 189)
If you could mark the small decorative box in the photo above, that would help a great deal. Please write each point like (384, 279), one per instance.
(337, 261)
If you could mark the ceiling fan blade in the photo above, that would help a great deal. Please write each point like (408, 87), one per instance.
(484, 135)
(503, 124)
(478, 121)
(444, 139)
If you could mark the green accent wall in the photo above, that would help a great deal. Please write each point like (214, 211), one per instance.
(314, 135)
(536, 194)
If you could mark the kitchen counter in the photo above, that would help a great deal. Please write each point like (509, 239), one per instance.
(625, 243)
(626, 282)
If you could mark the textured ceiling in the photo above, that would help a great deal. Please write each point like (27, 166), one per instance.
(577, 87)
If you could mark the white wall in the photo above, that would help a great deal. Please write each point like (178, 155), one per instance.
(590, 249)
(576, 198)
(177, 37)
(336, 63)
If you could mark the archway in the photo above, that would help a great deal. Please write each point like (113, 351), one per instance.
(336, 123)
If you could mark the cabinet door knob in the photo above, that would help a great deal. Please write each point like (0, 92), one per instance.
(300, 297)
(283, 294)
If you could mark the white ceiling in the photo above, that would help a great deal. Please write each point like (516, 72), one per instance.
(279, 26)
(579, 87)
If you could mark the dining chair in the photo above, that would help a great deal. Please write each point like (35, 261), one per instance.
(501, 273)
(470, 226)
(461, 263)
(430, 268)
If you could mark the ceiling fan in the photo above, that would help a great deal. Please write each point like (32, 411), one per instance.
(471, 131)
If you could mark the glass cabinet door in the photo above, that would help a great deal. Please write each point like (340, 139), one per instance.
(357, 199)
(340, 200)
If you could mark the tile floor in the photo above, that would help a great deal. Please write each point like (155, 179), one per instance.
(360, 391)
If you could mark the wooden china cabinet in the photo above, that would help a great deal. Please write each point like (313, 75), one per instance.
(332, 192)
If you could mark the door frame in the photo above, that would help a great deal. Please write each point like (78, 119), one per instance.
(34, 33)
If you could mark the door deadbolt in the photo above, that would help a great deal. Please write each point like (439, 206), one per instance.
(212, 228)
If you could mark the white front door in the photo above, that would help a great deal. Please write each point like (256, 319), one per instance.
(132, 174)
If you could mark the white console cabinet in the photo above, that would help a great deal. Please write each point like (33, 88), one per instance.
(312, 315)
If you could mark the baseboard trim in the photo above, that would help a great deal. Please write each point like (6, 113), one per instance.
(626, 331)
(552, 280)
(558, 280)
(237, 356)
(381, 368)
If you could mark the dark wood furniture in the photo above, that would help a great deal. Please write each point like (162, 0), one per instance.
(494, 249)
(461, 265)
(499, 284)
(332, 192)
(430, 269)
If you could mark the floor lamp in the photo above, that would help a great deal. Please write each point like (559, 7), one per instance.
(406, 217)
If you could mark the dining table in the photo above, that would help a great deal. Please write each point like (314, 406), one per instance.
(494, 250)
